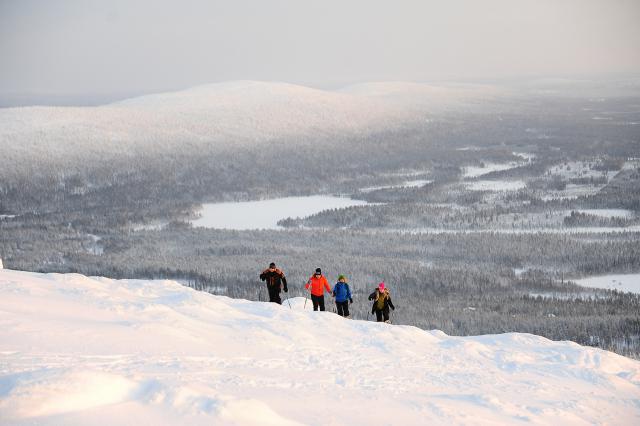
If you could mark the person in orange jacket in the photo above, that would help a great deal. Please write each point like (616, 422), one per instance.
(317, 284)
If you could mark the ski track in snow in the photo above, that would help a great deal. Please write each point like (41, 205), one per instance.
(76, 350)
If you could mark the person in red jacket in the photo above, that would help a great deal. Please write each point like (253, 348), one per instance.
(317, 284)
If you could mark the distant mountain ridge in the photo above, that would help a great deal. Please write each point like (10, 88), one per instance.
(228, 114)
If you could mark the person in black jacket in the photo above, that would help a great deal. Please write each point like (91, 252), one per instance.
(276, 281)
(381, 303)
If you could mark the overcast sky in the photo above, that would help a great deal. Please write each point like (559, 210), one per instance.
(87, 47)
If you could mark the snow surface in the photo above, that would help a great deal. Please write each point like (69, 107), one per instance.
(496, 185)
(265, 214)
(621, 282)
(94, 351)
(473, 171)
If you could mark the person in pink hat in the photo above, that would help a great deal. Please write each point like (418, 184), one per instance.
(381, 303)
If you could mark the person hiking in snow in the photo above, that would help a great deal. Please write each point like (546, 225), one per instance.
(276, 281)
(381, 303)
(317, 284)
(342, 293)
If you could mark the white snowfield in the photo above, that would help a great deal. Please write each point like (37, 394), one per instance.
(94, 351)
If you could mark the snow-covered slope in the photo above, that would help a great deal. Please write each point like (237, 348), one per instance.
(81, 351)
(257, 111)
(230, 114)
(224, 114)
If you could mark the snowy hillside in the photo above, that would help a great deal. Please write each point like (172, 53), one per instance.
(78, 350)
(229, 114)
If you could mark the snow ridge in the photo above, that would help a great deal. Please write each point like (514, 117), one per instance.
(80, 350)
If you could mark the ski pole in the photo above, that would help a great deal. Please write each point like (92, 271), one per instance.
(305, 298)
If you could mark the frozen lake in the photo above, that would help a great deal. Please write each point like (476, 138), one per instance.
(621, 282)
(265, 214)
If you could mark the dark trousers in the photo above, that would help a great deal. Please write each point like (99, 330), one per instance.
(343, 308)
(318, 302)
(382, 313)
(274, 294)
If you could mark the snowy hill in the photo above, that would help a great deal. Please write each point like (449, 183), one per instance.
(225, 114)
(79, 351)
(229, 114)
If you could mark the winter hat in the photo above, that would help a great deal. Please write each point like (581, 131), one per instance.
(342, 277)
(381, 286)
(318, 271)
(272, 265)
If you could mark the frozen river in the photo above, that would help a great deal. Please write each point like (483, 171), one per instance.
(266, 214)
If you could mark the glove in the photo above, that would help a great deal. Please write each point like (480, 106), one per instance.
(350, 300)
(286, 290)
